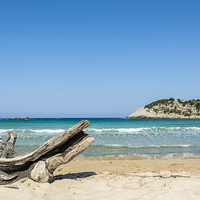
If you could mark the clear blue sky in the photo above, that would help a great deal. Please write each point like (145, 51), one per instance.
(96, 58)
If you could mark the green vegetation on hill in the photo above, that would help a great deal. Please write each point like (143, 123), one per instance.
(179, 107)
(159, 102)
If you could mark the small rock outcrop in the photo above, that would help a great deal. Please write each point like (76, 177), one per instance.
(169, 109)
(19, 118)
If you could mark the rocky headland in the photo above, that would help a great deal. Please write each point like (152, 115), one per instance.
(169, 109)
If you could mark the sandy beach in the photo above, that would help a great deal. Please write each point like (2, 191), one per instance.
(114, 178)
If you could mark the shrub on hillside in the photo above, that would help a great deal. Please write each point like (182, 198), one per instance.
(155, 103)
(187, 114)
(198, 106)
(170, 102)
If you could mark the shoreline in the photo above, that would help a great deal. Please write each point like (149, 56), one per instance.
(126, 165)
(143, 157)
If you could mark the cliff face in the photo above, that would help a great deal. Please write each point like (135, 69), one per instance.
(169, 109)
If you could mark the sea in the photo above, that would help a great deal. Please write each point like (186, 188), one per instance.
(118, 137)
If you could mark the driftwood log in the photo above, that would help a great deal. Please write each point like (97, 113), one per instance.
(40, 163)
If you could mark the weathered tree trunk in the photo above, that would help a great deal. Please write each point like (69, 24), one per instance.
(7, 148)
(40, 163)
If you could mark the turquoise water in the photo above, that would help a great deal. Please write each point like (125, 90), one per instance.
(114, 136)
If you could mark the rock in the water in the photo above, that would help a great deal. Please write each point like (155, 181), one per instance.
(19, 118)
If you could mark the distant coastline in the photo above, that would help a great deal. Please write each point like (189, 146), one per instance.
(168, 109)
(19, 118)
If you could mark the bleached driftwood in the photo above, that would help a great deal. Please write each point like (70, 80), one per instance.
(40, 163)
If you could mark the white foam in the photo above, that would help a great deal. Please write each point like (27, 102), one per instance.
(148, 146)
(5, 131)
(115, 130)
(47, 131)
(146, 130)
(186, 155)
(32, 131)
(170, 156)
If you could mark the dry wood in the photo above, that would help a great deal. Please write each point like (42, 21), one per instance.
(56, 151)
(62, 158)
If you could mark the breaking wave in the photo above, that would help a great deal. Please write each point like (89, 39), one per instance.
(153, 130)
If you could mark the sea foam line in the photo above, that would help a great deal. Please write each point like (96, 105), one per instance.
(107, 130)
(141, 130)
(155, 130)
(47, 130)
(149, 146)
(3, 131)
(28, 131)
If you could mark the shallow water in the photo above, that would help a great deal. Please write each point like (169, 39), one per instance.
(165, 138)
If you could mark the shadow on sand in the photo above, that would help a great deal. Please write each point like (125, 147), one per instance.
(73, 176)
